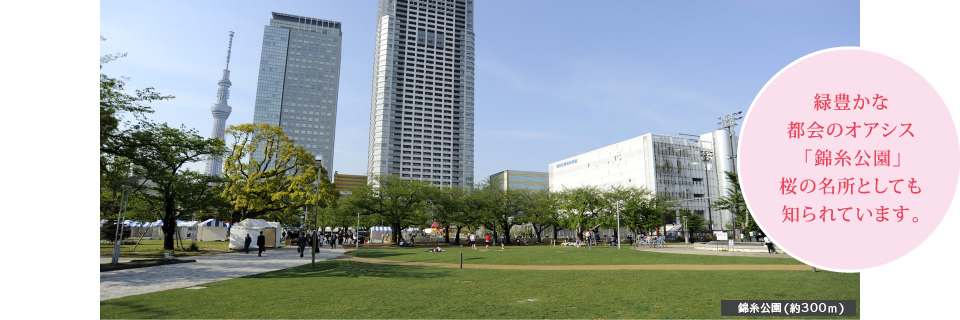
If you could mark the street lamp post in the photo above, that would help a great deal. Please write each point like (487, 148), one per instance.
(124, 198)
(706, 155)
(618, 225)
(318, 162)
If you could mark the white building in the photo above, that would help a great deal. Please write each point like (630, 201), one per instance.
(421, 114)
(683, 167)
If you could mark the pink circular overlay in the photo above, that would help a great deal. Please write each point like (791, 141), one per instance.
(848, 159)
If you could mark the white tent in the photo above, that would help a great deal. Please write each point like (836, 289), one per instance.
(146, 230)
(212, 230)
(253, 227)
(186, 230)
(279, 232)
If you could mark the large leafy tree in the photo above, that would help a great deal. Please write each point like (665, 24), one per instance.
(266, 176)
(631, 201)
(121, 114)
(584, 207)
(498, 208)
(733, 202)
(447, 207)
(161, 152)
(397, 202)
(137, 152)
(539, 209)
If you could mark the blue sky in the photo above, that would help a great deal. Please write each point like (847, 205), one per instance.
(554, 78)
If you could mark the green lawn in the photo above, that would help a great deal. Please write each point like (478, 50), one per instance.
(548, 255)
(154, 248)
(346, 289)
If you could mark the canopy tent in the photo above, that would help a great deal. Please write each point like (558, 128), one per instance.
(186, 230)
(147, 230)
(278, 231)
(212, 230)
(380, 233)
(253, 227)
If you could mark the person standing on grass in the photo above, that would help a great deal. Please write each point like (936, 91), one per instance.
(503, 239)
(246, 244)
(261, 242)
(473, 241)
(487, 239)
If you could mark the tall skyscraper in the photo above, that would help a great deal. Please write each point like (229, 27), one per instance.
(299, 81)
(421, 114)
(221, 111)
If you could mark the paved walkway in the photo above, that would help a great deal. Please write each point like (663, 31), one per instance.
(208, 268)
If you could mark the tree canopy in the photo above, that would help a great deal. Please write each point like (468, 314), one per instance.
(267, 176)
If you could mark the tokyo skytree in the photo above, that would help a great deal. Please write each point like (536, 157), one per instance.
(221, 111)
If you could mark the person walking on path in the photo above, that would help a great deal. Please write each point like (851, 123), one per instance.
(246, 244)
(503, 239)
(333, 241)
(261, 242)
(302, 243)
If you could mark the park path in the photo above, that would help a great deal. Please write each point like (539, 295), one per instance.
(208, 268)
(586, 267)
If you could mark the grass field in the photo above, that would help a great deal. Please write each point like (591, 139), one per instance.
(154, 248)
(346, 289)
(548, 255)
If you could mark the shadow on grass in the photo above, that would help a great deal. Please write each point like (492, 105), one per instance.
(380, 253)
(351, 269)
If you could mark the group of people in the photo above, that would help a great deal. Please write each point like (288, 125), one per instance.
(261, 242)
(473, 241)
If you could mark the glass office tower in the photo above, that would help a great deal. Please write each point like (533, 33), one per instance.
(422, 112)
(299, 80)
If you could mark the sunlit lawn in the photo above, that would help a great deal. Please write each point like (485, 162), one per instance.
(154, 248)
(346, 289)
(549, 255)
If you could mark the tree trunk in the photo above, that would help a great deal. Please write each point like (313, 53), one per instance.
(506, 227)
(396, 232)
(446, 234)
(169, 223)
(457, 240)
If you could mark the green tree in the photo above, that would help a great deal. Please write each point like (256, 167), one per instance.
(121, 114)
(538, 208)
(160, 154)
(733, 202)
(447, 205)
(632, 201)
(397, 202)
(137, 152)
(277, 186)
(497, 208)
(582, 208)
(693, 222)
